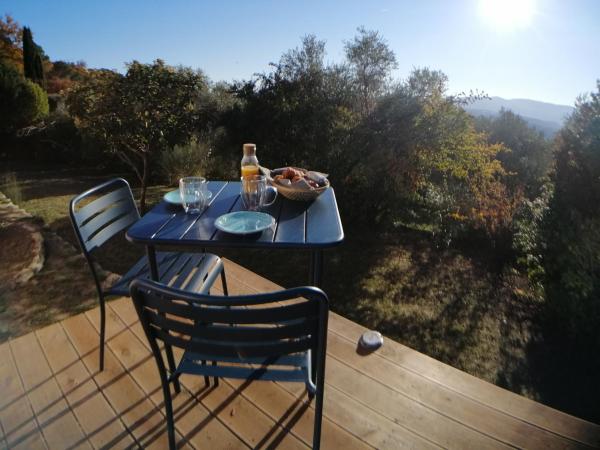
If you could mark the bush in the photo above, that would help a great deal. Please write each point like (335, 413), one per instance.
(191, 159)
(22, 101)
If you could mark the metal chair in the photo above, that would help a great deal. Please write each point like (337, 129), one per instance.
(100, 213)
(251, 337)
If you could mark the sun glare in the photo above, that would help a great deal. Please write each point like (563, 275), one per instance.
(507, 15)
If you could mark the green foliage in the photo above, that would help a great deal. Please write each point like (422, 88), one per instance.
(189, 159)
(527, 233)
(572, 228)
(32, 59)
(23, 102)
(529, 154)
(298, 114)
(371, 61)
(427, 164)
(149, 110)
(11, 52)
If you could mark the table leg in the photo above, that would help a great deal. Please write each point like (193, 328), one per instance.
(316, 268)
(151, 252)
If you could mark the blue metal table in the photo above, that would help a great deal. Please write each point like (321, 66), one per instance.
(312, 226)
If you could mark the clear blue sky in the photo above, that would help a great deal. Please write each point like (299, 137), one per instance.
(552, 54)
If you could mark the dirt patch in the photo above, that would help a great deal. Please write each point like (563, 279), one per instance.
(21, 253)
(43, 278)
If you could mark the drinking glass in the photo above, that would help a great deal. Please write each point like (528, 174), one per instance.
(254, 192)
(194, 194)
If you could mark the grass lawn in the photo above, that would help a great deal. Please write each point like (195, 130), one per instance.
(453, 305)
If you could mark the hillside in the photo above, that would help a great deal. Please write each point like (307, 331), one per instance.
(546, 117)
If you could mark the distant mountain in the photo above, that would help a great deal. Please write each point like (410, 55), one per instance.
(546, 117)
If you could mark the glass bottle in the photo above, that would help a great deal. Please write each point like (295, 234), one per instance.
(249, 161)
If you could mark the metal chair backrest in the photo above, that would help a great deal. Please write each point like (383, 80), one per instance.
(247, 326)
(102, 212)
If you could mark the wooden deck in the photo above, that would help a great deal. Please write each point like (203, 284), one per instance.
(52, 396)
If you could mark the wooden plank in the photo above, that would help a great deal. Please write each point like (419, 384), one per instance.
(58, 424)
(399, 408)
(479, 390)
(364, 388)
(476, 415)
(99, 421)
(21, 430)
(249, 423)
(139, 414)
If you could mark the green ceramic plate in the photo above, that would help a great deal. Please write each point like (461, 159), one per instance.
(244, 222)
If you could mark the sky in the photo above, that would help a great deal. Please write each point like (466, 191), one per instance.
(547, 50)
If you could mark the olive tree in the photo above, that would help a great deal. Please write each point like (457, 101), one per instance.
(371, 61)
(140, 114)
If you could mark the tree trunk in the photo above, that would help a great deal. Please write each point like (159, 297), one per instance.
(144, 183)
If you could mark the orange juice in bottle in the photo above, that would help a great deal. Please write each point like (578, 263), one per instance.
(249, 161)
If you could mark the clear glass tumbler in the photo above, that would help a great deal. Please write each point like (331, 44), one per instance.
(193, 192)
(254, 192)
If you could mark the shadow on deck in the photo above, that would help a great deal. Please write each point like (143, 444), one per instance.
(52, 396)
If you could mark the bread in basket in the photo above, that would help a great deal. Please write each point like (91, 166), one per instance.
(297, 184)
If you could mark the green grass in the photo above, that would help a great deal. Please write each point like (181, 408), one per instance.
(454, 305)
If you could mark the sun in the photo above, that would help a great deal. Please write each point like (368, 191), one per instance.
(506, 15)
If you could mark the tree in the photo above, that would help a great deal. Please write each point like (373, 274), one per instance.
(423, 161)
(22, 102)
(572, 228)
(299, 113)
(32, 59)
(371, 61)
(529, 154)
(139, 115)
(11, 51)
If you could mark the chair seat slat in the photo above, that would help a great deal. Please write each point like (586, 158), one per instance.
(296, 360)
(199, 282)
(140, 270)
(180, 282)
(235, 314)
(265, 373)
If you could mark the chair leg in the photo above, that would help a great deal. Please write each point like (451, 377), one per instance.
(206, 378)
(102, 331)
(169, 413)
(214, 363)
(224, 281)
(172, 367)
(318, 419)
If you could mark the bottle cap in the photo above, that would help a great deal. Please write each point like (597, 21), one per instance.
(249, 149)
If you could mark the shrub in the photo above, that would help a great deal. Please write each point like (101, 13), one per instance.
(23, 102)
(191, 159)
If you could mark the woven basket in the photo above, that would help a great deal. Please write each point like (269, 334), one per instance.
(292, 193)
